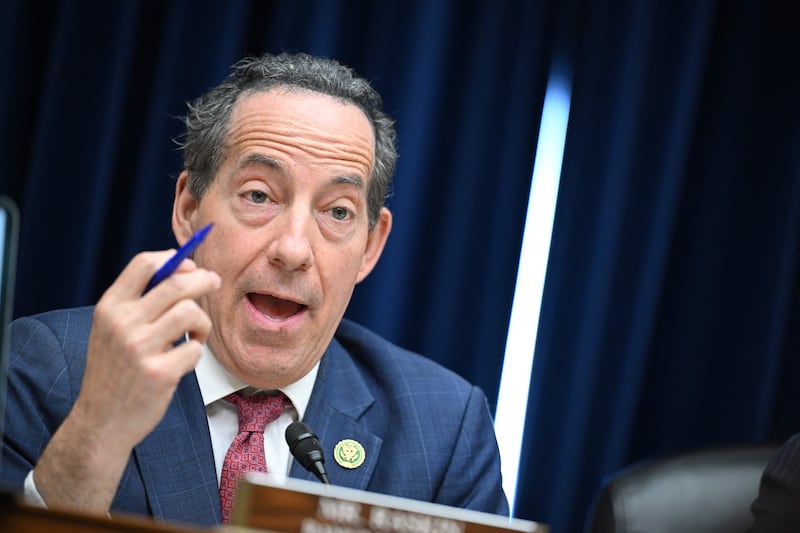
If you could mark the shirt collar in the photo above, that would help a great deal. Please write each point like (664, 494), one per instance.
(216, 382)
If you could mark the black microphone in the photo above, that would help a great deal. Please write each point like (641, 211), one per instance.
(305, 447)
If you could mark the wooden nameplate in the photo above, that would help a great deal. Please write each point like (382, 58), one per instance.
(308, 507)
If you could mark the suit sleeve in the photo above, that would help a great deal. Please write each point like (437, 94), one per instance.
(473, 479)
(40, 393)
(777, 507)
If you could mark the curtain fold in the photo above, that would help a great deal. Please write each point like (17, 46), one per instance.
(673, 266)
(670, 310)
(80, 106)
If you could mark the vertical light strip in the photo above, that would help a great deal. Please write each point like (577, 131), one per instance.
(2, 247)
(516, 378)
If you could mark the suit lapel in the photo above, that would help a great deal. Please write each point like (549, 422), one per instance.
(177, 462)
(182, 485)
(338, 402)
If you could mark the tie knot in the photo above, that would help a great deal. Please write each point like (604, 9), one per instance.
(257, 410)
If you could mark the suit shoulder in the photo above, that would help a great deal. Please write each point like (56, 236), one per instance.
(67, 328)
(391, 363)
(59, 320)
(71, 314)
(785, 465)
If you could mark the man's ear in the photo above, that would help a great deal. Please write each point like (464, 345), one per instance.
(184, 210)
(376, 240)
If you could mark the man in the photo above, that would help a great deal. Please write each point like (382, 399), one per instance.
(290, 158)
(777, 507)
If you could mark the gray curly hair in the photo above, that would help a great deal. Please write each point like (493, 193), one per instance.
(205, 139)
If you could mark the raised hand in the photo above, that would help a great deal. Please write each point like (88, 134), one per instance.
(133, 367)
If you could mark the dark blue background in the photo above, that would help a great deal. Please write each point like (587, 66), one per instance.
(670, 310)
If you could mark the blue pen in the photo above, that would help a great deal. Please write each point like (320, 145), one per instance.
(183, 252)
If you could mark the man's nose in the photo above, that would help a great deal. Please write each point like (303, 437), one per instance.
(291, 247)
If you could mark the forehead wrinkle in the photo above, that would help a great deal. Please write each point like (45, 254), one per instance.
(341, 152)
(317, 142)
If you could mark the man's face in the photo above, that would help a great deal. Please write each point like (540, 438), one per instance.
(291, 236)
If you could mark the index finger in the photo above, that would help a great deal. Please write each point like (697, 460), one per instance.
(175, 261)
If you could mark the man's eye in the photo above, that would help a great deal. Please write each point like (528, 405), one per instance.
(257, 197)
(340, 213)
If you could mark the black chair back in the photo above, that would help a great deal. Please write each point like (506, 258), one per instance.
(705, 491)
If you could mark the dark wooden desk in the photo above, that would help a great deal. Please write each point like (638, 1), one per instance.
(17, 517)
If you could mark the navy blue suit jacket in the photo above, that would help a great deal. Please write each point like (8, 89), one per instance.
(427, 433)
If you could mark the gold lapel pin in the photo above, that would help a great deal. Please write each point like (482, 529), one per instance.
(349, 453)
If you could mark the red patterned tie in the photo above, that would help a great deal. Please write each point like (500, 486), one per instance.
(246, 453)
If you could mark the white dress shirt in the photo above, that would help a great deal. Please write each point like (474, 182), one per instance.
(223, 419)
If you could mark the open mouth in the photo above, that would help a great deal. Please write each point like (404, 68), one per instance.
(273, 308)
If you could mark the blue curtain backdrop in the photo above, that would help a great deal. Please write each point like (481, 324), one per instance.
(671, 305)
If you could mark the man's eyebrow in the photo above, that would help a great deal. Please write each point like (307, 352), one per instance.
(259, 159)
(349, 179)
